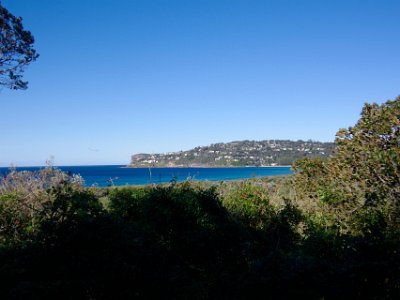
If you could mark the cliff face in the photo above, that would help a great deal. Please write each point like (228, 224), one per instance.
(238, 153)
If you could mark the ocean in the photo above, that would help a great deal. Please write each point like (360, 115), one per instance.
(118, 175)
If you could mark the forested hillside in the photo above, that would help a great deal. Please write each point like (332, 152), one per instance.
(238, 153)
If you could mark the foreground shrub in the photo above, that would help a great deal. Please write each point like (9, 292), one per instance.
(27, 198)
(249, 204)
(189, 222)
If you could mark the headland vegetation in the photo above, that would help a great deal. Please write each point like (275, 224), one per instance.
(236, 154)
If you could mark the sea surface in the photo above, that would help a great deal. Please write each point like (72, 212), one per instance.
(120, 175)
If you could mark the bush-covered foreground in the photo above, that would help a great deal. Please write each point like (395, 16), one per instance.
(331, 231)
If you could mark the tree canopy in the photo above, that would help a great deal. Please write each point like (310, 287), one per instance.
(16, 50)
(363, 175)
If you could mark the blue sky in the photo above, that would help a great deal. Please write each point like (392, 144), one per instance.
(115, 78)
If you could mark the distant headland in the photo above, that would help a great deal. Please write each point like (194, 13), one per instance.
(236, 154)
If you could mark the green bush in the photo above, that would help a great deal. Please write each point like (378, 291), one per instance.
(125, 201)
(249, 204)
(27, 199)
(363, 174)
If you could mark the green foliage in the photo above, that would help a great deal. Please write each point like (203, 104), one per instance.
(371, 148)
(73, 204)
(28, 198)
(13, 221)
(16, 50)
(250, 205)
(125, 201)
(364, 173)
(371, 222)
(191, 222)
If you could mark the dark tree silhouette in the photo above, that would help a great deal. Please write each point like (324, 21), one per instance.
(16, 50)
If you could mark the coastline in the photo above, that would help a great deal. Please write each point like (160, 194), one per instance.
(201, 167)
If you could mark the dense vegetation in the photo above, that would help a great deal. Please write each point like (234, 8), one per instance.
(331, 231)
(237, 154)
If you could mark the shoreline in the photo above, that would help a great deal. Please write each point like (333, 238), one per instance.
(203, 167)
(200, 181)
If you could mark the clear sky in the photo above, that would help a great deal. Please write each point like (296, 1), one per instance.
(115, 78)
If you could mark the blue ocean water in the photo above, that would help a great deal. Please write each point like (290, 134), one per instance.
(119, 175)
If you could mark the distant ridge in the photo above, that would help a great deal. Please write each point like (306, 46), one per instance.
(237, 154)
